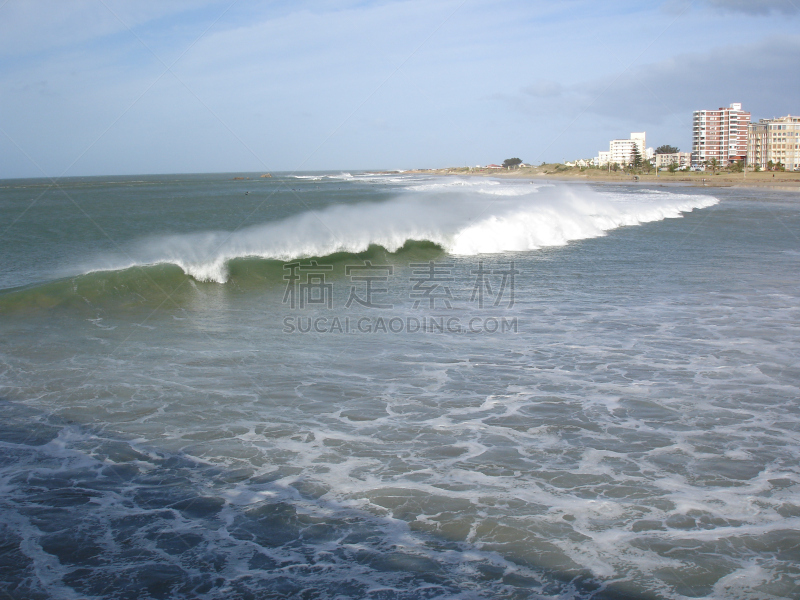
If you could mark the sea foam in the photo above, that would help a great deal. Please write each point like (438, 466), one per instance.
(464, 217)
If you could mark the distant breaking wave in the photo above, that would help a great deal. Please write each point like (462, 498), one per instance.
(346, 176)
(462, 217)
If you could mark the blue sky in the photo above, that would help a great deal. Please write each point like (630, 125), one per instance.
(92, 87)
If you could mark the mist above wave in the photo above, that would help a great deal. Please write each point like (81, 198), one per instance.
(463, 217)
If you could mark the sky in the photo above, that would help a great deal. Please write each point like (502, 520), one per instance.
(123, 87)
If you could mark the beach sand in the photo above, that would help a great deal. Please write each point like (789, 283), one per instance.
(789, 181)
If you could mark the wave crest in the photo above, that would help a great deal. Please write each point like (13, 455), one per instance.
(457, 216)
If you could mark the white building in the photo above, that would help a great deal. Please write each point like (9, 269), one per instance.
(602, 159)
(581, 162)
(621, 151)
(682, 160)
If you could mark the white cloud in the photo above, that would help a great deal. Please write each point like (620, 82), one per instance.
(31, 26)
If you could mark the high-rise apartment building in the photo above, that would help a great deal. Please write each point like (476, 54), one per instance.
(776, 140)
(719, 135)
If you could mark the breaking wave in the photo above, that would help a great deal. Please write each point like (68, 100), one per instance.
(457, 217)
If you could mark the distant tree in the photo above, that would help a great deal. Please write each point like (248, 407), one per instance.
(713, 164)
(673, 166)
(736, 166)
(667, 149)
(510, 163)
(757, 168)
(636, 157)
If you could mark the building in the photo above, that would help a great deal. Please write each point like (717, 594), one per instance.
(581, 162)
(682, 160)
(602, 159)
(776, 140)
(621, 151)
(719, 135)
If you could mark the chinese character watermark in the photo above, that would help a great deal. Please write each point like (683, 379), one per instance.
(483, 285)
(431, 288)
(427, 280)
(368, 274)
(314, 290)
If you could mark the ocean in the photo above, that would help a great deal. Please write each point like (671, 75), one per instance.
(397, 386)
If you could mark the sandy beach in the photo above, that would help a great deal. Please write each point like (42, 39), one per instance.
(789, 181)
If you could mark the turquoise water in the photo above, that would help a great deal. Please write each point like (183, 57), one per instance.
(397, 386)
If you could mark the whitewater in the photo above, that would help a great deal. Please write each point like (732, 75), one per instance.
(463, 217)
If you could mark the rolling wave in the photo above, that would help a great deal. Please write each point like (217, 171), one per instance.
(460, 220)
(151, 285)
(460, 217)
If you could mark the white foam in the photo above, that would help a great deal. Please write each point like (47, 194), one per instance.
(455, 214)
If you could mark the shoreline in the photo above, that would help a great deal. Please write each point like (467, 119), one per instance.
(784, 181)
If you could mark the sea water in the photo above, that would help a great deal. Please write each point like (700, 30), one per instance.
(397, 386)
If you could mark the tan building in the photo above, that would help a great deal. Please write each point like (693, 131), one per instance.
(681, 159)
(719, 135)
(776, 140)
